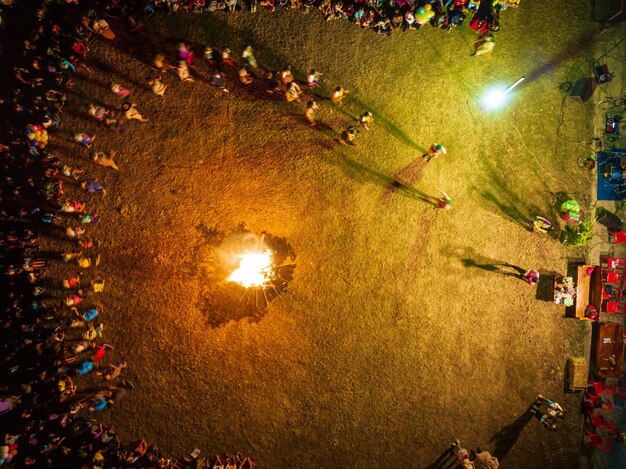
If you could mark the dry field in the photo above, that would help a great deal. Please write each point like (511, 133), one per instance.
(397, 333)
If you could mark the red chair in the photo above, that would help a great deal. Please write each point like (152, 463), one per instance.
(600, 387)
(602, 422)
(609, 292)
(597, 441)
(618, 237)
(616, 262)
(614, 307)
(592, 403)
(612, 277)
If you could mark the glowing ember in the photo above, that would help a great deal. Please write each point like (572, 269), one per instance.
(254, 269)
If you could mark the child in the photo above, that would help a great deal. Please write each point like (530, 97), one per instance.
(93, 186)
(435, 151)
(183, 71)
(102, 159)
(248, 57)
(309, 113)
(157, 86)
(313, 78)
(348, 136)
(83, 138)
(554, 408)
(445, 202)
(541, 225)
(484, 45)
(271, 82)
(217, 80)
(531, 276)
(131, 112)
(162, 64)
(185, 53)
(461, 455)
(293, 92)
(338, 95)
(98, 112)
(366, 119)
(119, 90)
(208, 55)
(244, 76)
(226, 57)
(546, 420)
(286, 76)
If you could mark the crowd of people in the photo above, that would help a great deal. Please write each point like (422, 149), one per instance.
(382, 16)
(57, 371)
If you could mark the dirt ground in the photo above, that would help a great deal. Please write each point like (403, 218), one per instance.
(400, 329)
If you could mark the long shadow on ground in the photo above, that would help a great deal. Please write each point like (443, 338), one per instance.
(499, 197)
(507, 436)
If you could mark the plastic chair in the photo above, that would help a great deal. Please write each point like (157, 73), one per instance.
(618, 237)
(613, 277)
(600, 387)
(616, 263)
(602, 422)
(590, 404)
(614, 307)
(596, 441)
(609, 292)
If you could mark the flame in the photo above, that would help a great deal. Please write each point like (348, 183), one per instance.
(254, 269)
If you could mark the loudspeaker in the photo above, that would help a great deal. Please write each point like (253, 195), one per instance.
(608, 219)
(602, 74)
(609, 11)
(583, 89)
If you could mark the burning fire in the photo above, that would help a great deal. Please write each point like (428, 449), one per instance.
(254, 269)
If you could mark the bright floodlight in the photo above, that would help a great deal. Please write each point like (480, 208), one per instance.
(493, 99)
(497, 98)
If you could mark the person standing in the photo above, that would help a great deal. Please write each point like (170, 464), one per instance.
(546, 420)
(484, 45)
(531, 276)
(338, 95)
(541, 225)
(444, 202)
(366, 119)
(435, 151)
(309, 113)
(461, 455)
(554, 408)
(484, 460)
(248, 57)
(293, 92)
(313, 78)
(348, 136)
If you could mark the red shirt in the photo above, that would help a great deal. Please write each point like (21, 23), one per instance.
(98, 353)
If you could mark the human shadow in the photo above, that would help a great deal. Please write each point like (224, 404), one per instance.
(362, 173)
(572, 49)
(507, 436)
(502, 268)
(545, 287)
(227, 34)
(443, 461)
(499, 196)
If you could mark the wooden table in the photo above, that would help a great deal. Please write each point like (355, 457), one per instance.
(589, 290)
(609, 344)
